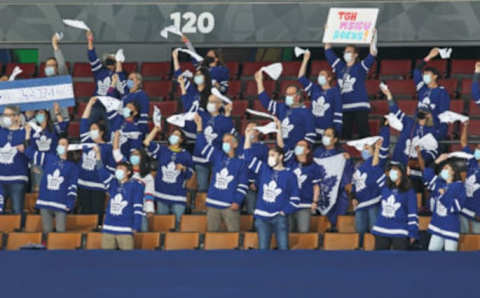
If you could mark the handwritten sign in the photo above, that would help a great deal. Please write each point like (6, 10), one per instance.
(36, 94)
(350, 25)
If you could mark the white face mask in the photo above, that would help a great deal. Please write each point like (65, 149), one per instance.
(94, 134)
(348, 57)
(326, 140)
(6, 121)
(322, 80)
(272, 161)
(211, 107)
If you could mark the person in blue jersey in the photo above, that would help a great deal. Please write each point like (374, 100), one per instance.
(58, 189)
(297, 121)
(278, 193)
(229, 181)
(430, 93)
(326, 99)
(475, 84)
(259, 150)
(470, 214)
(46, 138)
(91, 191)
(329, 148)
(396, 226)
(368, 180)
(213, 61)
(13, 163)
(447, 196)
(124, 212)
(174, 169)
(351, 75)
(134, 93)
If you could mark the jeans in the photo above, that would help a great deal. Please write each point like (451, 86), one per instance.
(300, 221)
(203, 177)
(364, 220)
(171, 208)
(437, 243)
(250, 201)
(15, 192)
(47, 220)
(144, 227)
(265, 229)
(465, 225)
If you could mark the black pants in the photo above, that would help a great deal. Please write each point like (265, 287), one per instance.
(357, 120)
(91, 202)
(385, 243)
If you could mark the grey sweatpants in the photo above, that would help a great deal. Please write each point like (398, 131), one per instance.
(47, 220)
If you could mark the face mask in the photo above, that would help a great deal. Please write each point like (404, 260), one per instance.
(393, 175)
(289, 100)
(209, 60)
(199, 80)
(40, 118)
(7, 121)
(126, 112)
(119, 174)
(299, 150)
(272, 161)
(60, 150)
(49, 71)
(134, 160)
(211, 107)
(322, 80)
(421, 115)
(366, 154)
(94, 134)
(427, 79)
(347, 57)
(226, 147)
(326, 140)
(476, 154)
(173, 139)
(252, 138)
(130, 84)
(444, 174)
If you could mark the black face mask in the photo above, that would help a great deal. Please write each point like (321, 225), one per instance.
(209, 60)
(421, 115)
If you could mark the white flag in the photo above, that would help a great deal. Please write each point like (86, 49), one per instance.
(76, 24)
(15, 72)
(451, 117)
(218, 94)
(171, 29)
(261, 114)
(300, 51)
(273, 70)
(460, 154)
(394, 122)
(445, 53)
(110, 103)
(191, 53)
(157, 116)
(59, 35)
(360, 144)
(76, 147)
(120, 56)
(267, 129)
(332, 172)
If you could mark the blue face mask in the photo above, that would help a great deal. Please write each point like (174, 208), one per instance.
(289, 100)
(126, 112)
(60, 150)
(134, 160)
(40, 118)
(199, 80)
(49, 71)
(130, 84)
(299, 150)
(119, 174)
(322, 80)
(444, 174)
(226, 147)
(476, 154)
(427, 78)
(366, 154)
(393, 175)
(173, 139)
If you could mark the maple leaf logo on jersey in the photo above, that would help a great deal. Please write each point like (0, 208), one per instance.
(103, 86)
(300, 178)
(390, 207)
(346, 84)
(319, 107)
(117, 204)
(209, 134)
(222, 179)
(54, 181)
(89, 160)
(427, 103)
(7, 154)
(359, 179)
(471, 185)
(271, 192)
(286, 127)
(441, 210)
(170, 173)
(43, 143)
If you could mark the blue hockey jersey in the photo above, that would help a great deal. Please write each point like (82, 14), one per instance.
(102, 75)
(46, 140)
(351, 81)
(58, 188)
(131, 137)
(326, 106)
(13, 164)
(258, 150)
(141, 98)
(307, 176)
(445, 206)
(471, 206)
(476, 89)
(170, 182)
(219, 74)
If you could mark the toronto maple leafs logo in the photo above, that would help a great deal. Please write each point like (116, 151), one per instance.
(210, 135)
(89, 160)
(441, 210)
(346, 84)
(117, 204)
(54, 181)
(222, 179)
(427, 103)
(300, 178)
(271, 192)
(359, 179)
(286, 127)
(390, 207)
(7, 154)
(43, 143)
(327, 185)
(103, 86)
(319, 107)
(471, 185)
(170, 173)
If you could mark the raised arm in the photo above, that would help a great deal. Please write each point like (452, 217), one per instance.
(417, 72)
(57, 53)
(259, 80)
(303, 68)
(88, 108)
(376, 152)
(149, 138)
(464, 135)
(373, 44)
(176, 64)
(279, 134)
